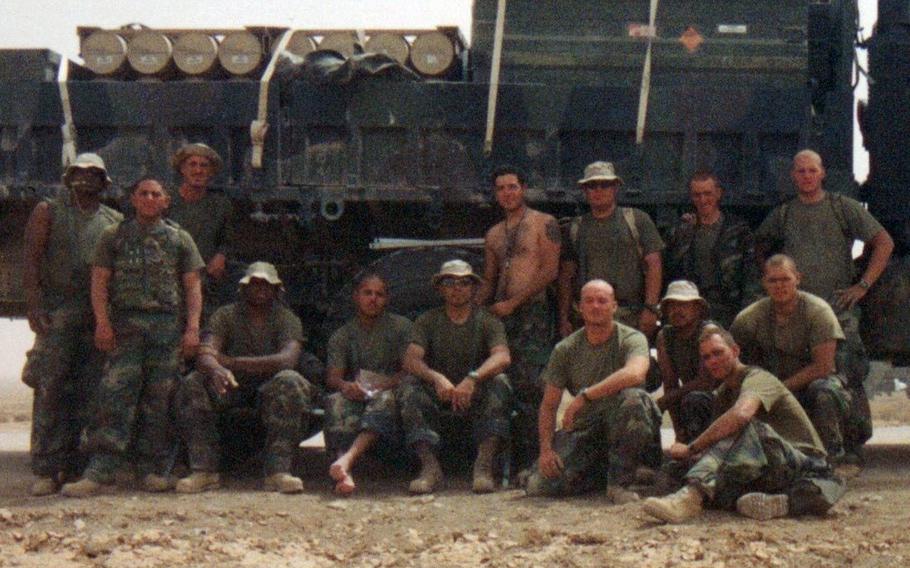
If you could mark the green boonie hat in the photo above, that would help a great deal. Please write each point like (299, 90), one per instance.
(599, 171)
(196, 149)
(87, 161)
(456, 269)
(262, 270)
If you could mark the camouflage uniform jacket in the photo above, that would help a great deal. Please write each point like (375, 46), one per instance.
(737, 281)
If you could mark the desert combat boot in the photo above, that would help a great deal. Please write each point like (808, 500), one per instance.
(763, 506)
(199, 481)
(483, 466)
(681, 506)
(283, 483)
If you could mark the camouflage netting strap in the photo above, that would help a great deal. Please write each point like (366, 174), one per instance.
(68, 129)
(260, 126)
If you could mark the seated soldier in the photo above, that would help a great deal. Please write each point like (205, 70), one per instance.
(687, 389)
(246, 360)
(361, 413)
(456, 342)
(794, 335)
(611, 427)
(761, 452)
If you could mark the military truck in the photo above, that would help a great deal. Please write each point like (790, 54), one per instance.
(334, 139)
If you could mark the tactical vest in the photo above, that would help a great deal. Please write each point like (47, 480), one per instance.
(66, 265)
(146, 267)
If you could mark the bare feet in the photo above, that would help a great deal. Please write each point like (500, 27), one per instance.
(340, 472)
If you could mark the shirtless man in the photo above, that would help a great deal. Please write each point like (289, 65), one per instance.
(521, 258)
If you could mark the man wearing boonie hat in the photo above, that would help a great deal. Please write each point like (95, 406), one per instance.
(63, 366)
(455, 360)
(687, 388)
(206, 216)
(247, 360)
(617, 244)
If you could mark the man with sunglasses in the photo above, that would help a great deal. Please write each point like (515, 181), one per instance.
(455, 360)
(617, 244)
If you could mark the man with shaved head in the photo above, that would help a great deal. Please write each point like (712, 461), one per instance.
(817, 229)
(612, 427)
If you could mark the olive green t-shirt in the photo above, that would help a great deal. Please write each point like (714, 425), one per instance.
(703, 241)
(457, 349)
(378, 348)
(779, 408)
(784, 348)
(819, 236)
(240, 338)
(606, 249)
(576, 364)
(208, 221)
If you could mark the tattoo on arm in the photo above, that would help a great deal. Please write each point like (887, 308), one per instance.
(553, 232)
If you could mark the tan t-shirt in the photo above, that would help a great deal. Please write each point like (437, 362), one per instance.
(784, 348)
(779, 408)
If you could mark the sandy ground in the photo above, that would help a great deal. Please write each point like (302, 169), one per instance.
(240, 525)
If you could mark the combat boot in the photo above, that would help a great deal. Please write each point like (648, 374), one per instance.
(619, 495)
(763, 506)
(430, 472)
(154, 483)
(283, 483)
(683, 505)
(483, 467)
(85, 487)
(44, 486)
(199, 481)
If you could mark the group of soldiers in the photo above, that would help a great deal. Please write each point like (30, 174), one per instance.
(762, 413)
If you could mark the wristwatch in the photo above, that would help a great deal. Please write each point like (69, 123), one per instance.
(583, 393)
(864, 284)
(474, 375)
(654, 308)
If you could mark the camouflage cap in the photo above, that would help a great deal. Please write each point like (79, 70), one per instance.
(87, 161)
(599, 171)
(262, 270)
(456, 269)
(196, 149)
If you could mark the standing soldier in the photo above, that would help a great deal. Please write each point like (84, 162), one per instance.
(521, 260)
(64, 365)
(206, 216)
(361, 414)
(817, 230)
(145, 270)
(247, 360)
(456, 359)
(714, 250)
(617, 244)
(611, 427)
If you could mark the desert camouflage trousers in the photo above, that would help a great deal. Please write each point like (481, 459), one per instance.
(611, 440)
(345, 419)
(63, 367)
(427, 419)
(134, 396)
(758, 459)
(282, 405)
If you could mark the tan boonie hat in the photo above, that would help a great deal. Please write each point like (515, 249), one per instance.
(599, 171)
(196, 149)
(87, 161)
(456, 269)
(683, 291)
(262, 270)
